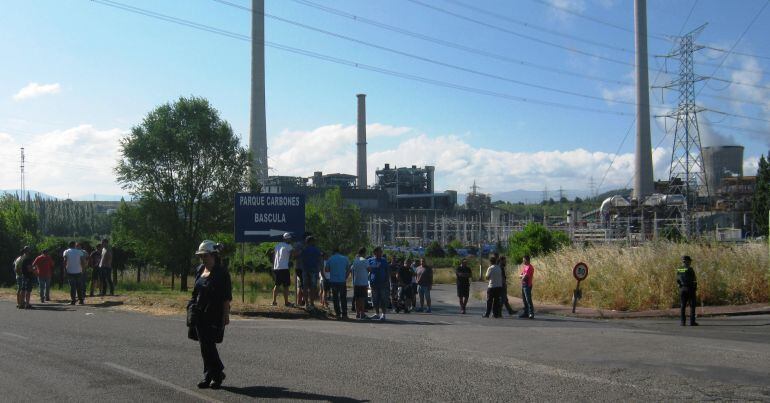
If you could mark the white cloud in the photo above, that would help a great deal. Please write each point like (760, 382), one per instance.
(750, 166)
(559, 6)
(76, 161)
(34, 90)
(332, 149)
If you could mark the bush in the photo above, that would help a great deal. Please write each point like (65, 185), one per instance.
(434, 250)
(535, 240)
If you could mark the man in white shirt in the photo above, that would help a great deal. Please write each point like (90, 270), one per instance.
(73, 266)
(494, 289)
(360, 282)
(283, 254)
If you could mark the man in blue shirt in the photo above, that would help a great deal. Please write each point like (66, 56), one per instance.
(379, 281)
(311, 266)
(338, 268)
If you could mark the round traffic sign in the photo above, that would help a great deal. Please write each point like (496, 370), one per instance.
(580, 271)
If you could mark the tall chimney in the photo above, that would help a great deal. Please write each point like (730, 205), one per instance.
(643, 180)
(361, 163)
(258, 125)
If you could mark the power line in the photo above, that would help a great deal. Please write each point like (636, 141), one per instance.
(537, 27)
(537, 40)
(594, 19)
(350, 63)
(429, 60)
(455, 45)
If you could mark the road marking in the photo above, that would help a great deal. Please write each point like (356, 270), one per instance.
(161, 382)
(18, 336)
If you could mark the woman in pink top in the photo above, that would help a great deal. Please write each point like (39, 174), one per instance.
(526, 274)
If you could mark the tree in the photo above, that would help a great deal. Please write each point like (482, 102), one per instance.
(535, 240)
(760, 203)
(434, 249)
(184, 165)
(334, 222)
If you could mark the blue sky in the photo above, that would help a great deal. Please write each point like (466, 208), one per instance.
(78, 74)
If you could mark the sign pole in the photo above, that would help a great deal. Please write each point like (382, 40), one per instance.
(243, 273)
(576, 295)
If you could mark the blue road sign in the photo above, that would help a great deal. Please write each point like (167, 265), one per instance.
(265, 217)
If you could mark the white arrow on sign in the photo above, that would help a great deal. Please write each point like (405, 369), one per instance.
(272, 232)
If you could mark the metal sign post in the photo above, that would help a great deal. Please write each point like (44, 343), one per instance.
(265, 217)
(580, 272)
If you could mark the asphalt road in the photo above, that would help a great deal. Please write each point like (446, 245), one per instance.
(85, 353)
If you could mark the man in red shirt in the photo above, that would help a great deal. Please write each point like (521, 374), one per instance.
(43, 267)
(526, 274)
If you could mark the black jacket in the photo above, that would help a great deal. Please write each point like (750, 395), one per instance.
(210, 294)
(685, 278)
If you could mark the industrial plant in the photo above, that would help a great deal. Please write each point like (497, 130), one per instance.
(705, 194)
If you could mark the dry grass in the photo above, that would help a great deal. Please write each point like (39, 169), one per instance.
(641, 278)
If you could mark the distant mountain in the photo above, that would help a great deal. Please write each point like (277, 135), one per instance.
(91, 197)
(32, 193)
(101, 197)
(536, 196)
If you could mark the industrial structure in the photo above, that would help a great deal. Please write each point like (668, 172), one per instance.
(705, 190)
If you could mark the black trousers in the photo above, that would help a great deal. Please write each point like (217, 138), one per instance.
(207, 336)
(340, 298)
(687, 296)
(506, 304)
(494, 301)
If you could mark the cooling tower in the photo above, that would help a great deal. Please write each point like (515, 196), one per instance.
(720, 162)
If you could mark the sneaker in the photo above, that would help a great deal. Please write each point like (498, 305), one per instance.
(694, 324)
(418, 309)
(204, 384)
(523, 315)
(382, 317)
(274, 304)
(428, 311)
(484, 316)
(81, 302)
(72, 302)
(531, 316)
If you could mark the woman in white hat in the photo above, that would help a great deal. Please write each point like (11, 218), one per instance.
(211, 295)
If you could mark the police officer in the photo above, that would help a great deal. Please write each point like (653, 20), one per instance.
(688, 284)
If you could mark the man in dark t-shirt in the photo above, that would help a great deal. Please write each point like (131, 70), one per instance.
(404, 277)
(463, 274)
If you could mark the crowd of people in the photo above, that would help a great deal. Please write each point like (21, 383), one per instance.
(399, 284)
(37, 271)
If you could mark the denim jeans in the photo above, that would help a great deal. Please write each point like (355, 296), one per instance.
(381, 297)
(526, 296)
(45, 288)
(424, 292)
(76, 286)
(105, 275)
(340, 298)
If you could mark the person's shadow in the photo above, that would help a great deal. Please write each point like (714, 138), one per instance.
(277, 392)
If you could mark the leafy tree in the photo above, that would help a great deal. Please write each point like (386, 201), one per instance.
(183, 164)
(760, 203)
(434, 250)
(334, 222)
(535, 240)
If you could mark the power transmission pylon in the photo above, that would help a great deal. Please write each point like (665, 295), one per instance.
(21, 171)
(687, 175)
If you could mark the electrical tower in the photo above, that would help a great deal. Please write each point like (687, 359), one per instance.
(21, 170)
(687, 175)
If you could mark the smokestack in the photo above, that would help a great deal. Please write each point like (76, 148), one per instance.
(643, 180)
(258, 125)
(361, 163)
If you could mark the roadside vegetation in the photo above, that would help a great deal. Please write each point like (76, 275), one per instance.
(639, 278)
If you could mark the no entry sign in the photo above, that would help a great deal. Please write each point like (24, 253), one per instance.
(265, 217)
(580, 271)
